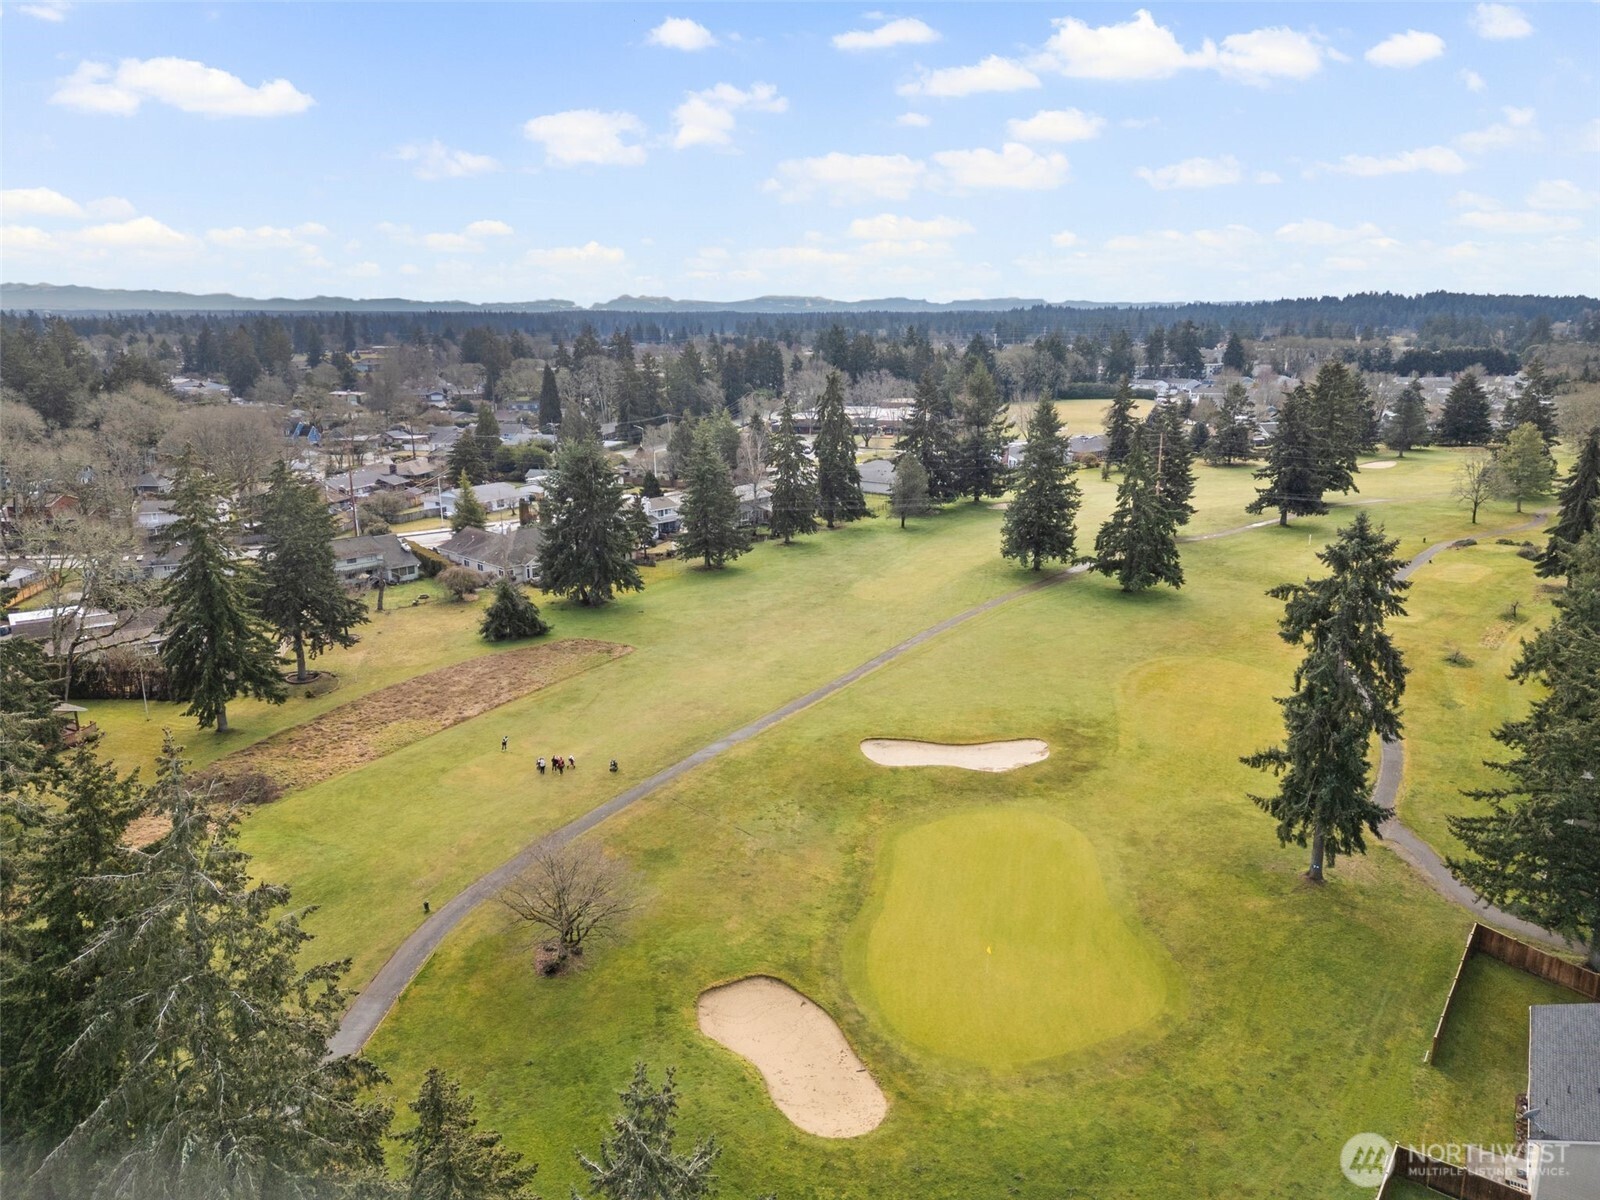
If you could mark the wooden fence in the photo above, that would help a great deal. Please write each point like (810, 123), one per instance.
(1539, 963)
(1445, 1178)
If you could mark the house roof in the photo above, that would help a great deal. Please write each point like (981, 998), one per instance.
(1564, 1072)
(394, 554)
(877, 470)
(503, 549)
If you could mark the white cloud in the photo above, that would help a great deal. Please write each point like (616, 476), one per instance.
(1518, 128)
(1064, 239)
(1509, 222)
(1056, 125)
(182, 83)
(266, 237)
(680, 33)
(1561, 194)
(1136, 49)
(707, 118)
(1326, 233)
(54, 11)
(993, 74)
(1441, 160)
(141, 233)
(914, 120)
(904, 31)
(887, 227)
(585, 135)
(1262, 55)
(483, 229)
(1194, 173)
(1472, 81)
(25, 239)
(1409, 49)
(38, 202)
(469, 240)
(1499, 22)
(434, 160)
(846, 178)
(567, 258)
(1012, 166)
(1267, 178)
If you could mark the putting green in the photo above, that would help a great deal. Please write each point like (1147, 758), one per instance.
(991, 939)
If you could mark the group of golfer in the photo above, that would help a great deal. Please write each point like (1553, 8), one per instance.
(559, 763)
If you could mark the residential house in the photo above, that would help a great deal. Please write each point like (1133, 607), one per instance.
(755, 503)
(1081, 445)
(153, 515)
(665, 514)
(495, 497)
(1563, 1113)
(151, 484)
(358, 558)
(156, 562)
(513, 555)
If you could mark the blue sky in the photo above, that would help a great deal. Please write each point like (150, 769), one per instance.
(1065, 151)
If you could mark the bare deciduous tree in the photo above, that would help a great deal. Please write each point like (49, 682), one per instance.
(573, 891)
(1477, 479)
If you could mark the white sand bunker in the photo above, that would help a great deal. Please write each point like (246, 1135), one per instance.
(1384, 465)
(812, 1074)
(979, 756)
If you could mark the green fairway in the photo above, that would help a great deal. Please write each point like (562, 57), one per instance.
(991, 939)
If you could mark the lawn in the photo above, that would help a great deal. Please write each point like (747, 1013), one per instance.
(1270, 1020)
(1299, 1016)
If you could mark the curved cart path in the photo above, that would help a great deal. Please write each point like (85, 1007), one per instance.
(383, 990)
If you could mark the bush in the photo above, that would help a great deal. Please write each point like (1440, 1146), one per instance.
(461, 582)
(1506, 542)
(429, 562)
(1457, 659)
(1529, 552)
(511, 615)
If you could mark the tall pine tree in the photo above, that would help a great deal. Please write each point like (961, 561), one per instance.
(927, 434)
(302, 597)
(712, 531)
(1346, 689)
(215, 646)
(1408, 425)
(1580, 506)
(468, 511)
(1041, 522)
(448, 1158)
(839, 495)
(1233, 439)
(1291, 478)
(794, 481)
(1120, 428)
(1138, 544)
(1535, 404)
(1174, 462)
(1466, 420)
(640, 1159)
(587, 552)
(983, 434)
(549, 400)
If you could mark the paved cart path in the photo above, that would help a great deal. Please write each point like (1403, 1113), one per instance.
(383, 990)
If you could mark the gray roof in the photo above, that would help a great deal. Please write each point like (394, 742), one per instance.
(877, 470)
(1564, 1072)
(504, 549)
(395, 555)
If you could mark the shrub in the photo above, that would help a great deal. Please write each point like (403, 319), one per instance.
(511, 615)
(1457, 659)
(461, 582)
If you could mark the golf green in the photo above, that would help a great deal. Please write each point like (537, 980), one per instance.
(991, 939)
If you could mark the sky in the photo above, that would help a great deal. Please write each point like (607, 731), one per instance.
(504, 152)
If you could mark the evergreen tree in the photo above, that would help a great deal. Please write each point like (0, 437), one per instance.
(1138, 544)
(1155, 351)
(465, 459)
(1174, 462)
(588, 548)
(1119, 428)
(1408, 427)
(909, 494)
(549, 400)
(1525, 468)
(1233, 356)
(839, 495)
(927, 434)
(302, 597)
(1535, 404)
(468, 512)
(650, 488)
(1119, 360)
(62, 906)
(511, 615)
(1199, 438)
(1340, 416)
(1465, 420)
(1538, 852)
(487, 432)
(30, 733)
(448, 1159)
(1183, 347)
(216, 646)
(1041, 521)
(983, 434)
(1346, 689)
(1232, 440)
(712, 530)
(794, 481)
(1290, 480)
(213, 1035)
(680, 445)
(1580, 506)
(639, 1161)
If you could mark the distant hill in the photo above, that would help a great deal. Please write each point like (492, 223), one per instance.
(47, 297)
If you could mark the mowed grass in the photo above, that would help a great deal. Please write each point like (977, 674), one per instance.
(991, 939)
(1300, 1014)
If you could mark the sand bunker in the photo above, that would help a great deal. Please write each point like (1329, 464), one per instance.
(979, 756)
(812, 1074)
(1379, 466)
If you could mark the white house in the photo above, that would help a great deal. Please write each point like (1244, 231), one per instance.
(1563, 1112)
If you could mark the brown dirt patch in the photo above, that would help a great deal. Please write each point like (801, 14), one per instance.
(391, 718)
